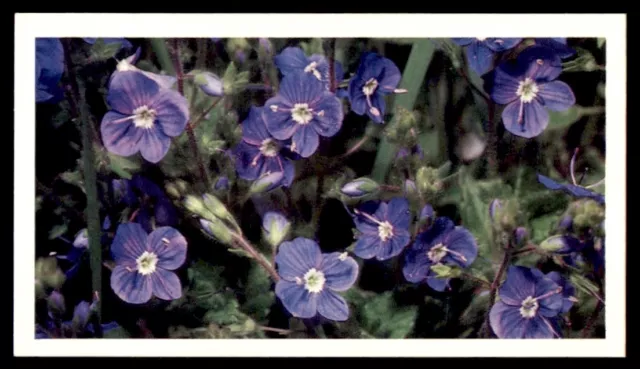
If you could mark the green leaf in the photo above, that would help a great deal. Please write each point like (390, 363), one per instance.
(584, 284)
(123, 166)
(381, 316)
(208, 287)
(412, 78)
(543, 226)
(103, 51)
(259, 297)
(312, 47)
(73, 178)
(559, 120)
(229, 77)
(57, 231)
(118, 332)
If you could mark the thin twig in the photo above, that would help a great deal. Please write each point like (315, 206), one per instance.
(246, 246)
(496, 283)
(194, 122)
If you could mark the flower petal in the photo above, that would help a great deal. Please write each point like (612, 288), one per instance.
(254, 129)
(416, 265)
(535, 119)
(394, 246)
(539, 327)
(129, 243)
(502, 43)
(398, 212)
(480, 57)
(120, 137)
(463, 41)
(552, 305)
(296, 257)
(245, 154)
(130, 286)
(306, 140)
(357, 99)
(556, 96)
(340, 272)
(154, 145)
(169, 245)
(296, 299)
(330, 122)
(129, 90)
(333, 306)
(543, 64)
(279, 123)
(166, 285)
(367, 246)
(438, 284)
(558, 45)
(301, 88)
(172, 112)
(506, 321)
(291, 60)
(434, 234)
(504, 83)
(462, 241)
(519, 285)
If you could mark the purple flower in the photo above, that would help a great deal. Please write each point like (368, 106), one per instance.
(144, 117)
(259, 152)
(148, 200)
(528, 89)
(573, 190)
(376, 77)
(145, 263)
(529, 303)
(558, 45)
(127, 65)
(568, 291)
(303, 110)
(480, 51)
(292, 60)
(442, 243)
(49, 69)
(309, 280)
(427, 212)
(107, 41)
(383, 227)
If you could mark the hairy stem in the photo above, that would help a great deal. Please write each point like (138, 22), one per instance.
(246, 246)
(496, 283)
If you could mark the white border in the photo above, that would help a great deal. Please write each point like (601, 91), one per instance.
(30, 26)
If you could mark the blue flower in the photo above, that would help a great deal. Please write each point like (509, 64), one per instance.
(310, 280)
(49, 69)
(573, 190)
(528, 307)
(144, 117)
(259, 152)
(145, 263)
(127, 65)
(568, 291)
(528, 89)
(558, 45)
(107, 41)
(303, 110)
(148, 200)
(77, 327)
(480, 51)
(376, 77)
(292, 60)
(442, 243)
(383, 227)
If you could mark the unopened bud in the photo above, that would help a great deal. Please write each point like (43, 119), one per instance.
(521, 236)
(561, 244)
(267, 182)
(55, 302)
(210, 84)
(275, 228)
(360, 187)
(217, 229)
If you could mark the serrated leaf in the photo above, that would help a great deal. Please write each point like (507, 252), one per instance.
(57, 231)
(123, 166)
(208, 287)
(381, 316)
(584, 284)
(118, 332)
(559, 120)
(258, 294)
(229, 77)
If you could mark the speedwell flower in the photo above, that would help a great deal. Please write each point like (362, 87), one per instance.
(145, 263)
(376, 77)
(528, 89)
(480, 51)
(385, 232)
(127, 65)
(303, 110)
(442, 243)
(49, 68)
(310, 280)
(144, 117)
(528, 307)
(292, 60)
(259, 152)
(558, 45)
(571, 189)
(568, 291)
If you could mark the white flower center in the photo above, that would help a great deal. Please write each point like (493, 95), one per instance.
(437, 252)
(124, 65)
(147, 263)
(527, 90)
(529, 307)
(481, 38)
(314, 280)
(343, 256)
(312, 68)
(144, 117)
(269, 148)
(385, 231)
(370, 87)
(301, 113)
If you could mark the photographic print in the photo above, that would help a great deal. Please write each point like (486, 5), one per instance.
(286, 189)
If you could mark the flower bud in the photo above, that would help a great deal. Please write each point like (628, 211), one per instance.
(266, 182)
(222, 184)
(217, 229)
(360, 187)
(470, 147)
(265, 45)
(494, 208)
(275, 228)
(196, 205)
(561, 244)
(409, 187)
(521, 236)
(216, 207)
(81, 315)
(566, 223)
(427, 212)
(210, 84)
(427, 181)
(82, 239)
(55, 302)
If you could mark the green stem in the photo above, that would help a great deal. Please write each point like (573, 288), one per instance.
(496, 283)
(91, 189)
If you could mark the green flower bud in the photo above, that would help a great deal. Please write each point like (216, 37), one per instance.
(217, 229)
(360, 187)
(275, 228)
